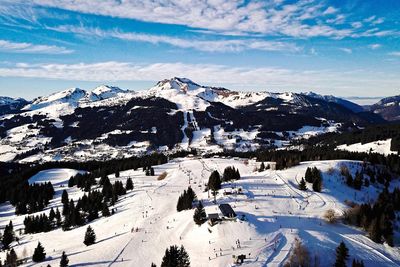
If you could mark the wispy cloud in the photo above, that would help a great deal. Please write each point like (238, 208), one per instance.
(303, 19)
(226, 45)
(14, 47)
(395, 53)
(346, 50)
(263, 77)
(375, 46)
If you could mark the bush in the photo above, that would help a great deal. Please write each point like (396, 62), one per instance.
(162, 176)
(330, 216)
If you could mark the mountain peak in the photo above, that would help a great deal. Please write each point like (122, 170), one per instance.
(177, 83)
(104, 91)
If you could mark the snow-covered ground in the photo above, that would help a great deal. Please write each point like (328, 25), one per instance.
(276, 213)
(381, 147)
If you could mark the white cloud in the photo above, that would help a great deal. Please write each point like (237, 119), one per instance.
(14, 47)
(227, 45)
(356, 24)
(267, 78)
(346, 50)
(305, 18)
(396, 54)
(374, 46)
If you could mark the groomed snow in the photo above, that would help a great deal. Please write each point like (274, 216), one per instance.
(276, 213)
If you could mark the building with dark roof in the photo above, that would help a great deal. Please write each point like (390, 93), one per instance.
(227, 210)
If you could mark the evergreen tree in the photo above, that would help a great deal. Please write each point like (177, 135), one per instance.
(317, 184)
(105, 211)
(374, 231)
(8, 235)
(129, 184)
(64, 197)
(200, 215)
(230, 173)
(262, 167)
(308, 175)
(11, 258)
(214, 183)
(90, 237)
(39, 253)
(64, 260)
(175, 257)
(302, 185)
(342, 254)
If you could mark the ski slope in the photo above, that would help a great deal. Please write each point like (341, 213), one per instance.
(275, 212)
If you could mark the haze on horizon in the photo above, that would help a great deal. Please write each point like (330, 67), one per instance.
(328, 47)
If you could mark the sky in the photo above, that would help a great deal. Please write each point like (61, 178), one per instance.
(334, 47)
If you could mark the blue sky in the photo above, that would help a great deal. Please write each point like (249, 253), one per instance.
(345, 48)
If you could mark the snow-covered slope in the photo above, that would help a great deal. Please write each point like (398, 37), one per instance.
(175, 114)
(381, 147)
(104, 92)
(275, 213)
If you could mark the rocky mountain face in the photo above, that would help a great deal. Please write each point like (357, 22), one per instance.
(175, 114)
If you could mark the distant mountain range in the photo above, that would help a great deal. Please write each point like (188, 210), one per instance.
(175, 114)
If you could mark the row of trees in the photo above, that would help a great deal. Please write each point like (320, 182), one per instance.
(377, 219)
(42, 222)
(300, 256)
(33, 198)
(314, 176)
(230, 173)
(39, 254)
(185, 200)
(14, 176)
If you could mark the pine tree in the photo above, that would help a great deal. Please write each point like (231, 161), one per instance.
(214, 183)
(105, 211)
(342, 254)
(374, 231)
(8, 235)
(11, 258)
(90, 237)
(317, 184)
(64, 260)
(39, 253)
(175, 257)
(262, 167)
(129, 184)
(302, 185)
(308, 175)
(64, 197)
(200, 215)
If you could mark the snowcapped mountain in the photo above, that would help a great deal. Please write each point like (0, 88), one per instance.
(388, 108)
(175, 114)
(104, 92)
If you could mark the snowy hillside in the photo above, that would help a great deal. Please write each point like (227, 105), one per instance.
(271, 211)
(381, 147)
(175, 114)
